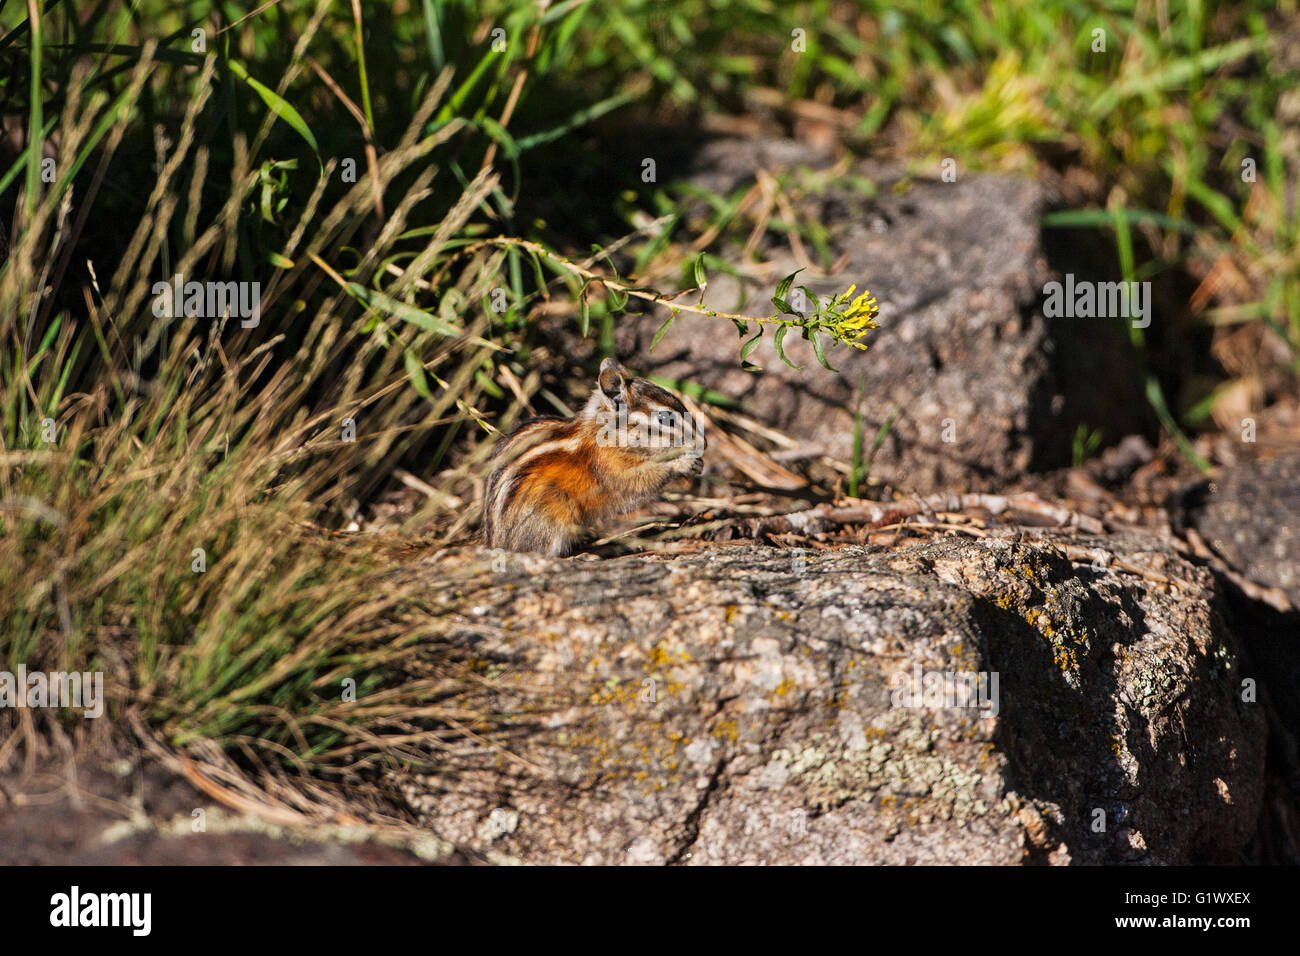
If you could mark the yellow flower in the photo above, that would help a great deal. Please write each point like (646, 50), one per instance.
(860, 315)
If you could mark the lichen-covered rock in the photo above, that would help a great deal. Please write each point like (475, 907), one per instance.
(1251, 516)
(756, 705)
(985, 386)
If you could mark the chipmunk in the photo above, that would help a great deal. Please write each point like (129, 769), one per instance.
(562, 478)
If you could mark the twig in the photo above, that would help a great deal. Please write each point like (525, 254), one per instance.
(442, 497)
(653, 297)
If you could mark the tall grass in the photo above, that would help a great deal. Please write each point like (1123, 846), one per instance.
(166, 482)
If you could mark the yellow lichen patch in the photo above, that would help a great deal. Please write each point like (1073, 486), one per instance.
(726, 730)
(1065, 658)
(888, 802)
(1030, 574)
(659, 656)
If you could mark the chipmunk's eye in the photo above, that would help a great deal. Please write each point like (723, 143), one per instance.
(667, 419)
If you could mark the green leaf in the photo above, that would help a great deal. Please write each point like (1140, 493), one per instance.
(1156, 397)
(278, 105)
(1086, 218)
(509, 147)
(433, 31)
(782, 288)
(696, 391)
(415, 372)
(663, 330)
(814, 300)
(785, 307)
(489, 386)
(752, 344)
(561, 9)
(36, 123)
(700, 279)
(780, 350)
(135, 52)
(409, 313)
(580, 118)
(538, 275)
(742, 327)
(21, 163)
(1218, 204)
(882, 433)
(1177, 74)
(858, 472)
(820, 352)
(584, 322)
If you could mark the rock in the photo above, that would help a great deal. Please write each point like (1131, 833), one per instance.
(986, 388)
(1251, 516)
(745, 704)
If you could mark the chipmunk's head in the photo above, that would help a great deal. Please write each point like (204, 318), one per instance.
(639, 415)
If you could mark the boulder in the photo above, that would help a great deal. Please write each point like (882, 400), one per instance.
(1251, 517)
(1011, 699)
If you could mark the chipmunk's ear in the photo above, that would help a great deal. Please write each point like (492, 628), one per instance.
(613, 382)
